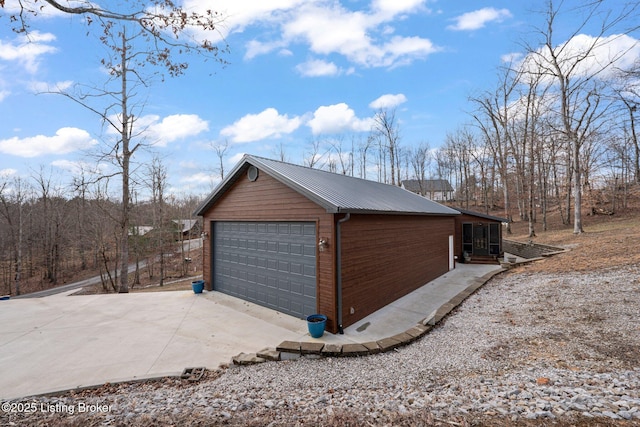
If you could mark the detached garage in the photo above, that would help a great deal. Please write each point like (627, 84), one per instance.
(304, 241)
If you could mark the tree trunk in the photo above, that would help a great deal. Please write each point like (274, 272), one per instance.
(125, 135)
(577, 189)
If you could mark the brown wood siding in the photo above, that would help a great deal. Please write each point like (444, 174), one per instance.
(463, 218)
(266, 199)
(384, 257)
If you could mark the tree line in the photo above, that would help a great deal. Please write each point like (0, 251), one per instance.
(559, 124)
(50, 232)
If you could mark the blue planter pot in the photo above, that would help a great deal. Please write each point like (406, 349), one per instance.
(316, 324)
(197, 286)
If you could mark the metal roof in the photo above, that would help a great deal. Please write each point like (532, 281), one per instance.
(185, 224)
(481, 215)
(334, 192)
(428, 185)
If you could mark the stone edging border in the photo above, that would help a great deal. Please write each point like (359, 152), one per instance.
(291, 350)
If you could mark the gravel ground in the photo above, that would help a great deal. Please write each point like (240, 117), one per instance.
(528, 348)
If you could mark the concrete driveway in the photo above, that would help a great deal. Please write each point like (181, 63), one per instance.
(61, 342)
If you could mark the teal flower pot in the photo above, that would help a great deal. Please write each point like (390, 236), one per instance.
(197, 286)
(316, 324)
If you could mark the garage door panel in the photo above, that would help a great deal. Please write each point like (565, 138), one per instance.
(268, 263)
(310, 270)
(297, 289)
(309, 290)
(284, 285)
(283, 267)
(296, 268)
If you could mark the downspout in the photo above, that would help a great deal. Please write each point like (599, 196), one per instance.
(339, 269)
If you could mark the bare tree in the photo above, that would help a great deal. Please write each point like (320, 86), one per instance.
(364, 147)
(12, 201)
(281, 152)
(157, 173)
(628, 95)
(220, 149)
(313, 156)
(420, 159)
(141, 38)
(344, 158)
(493, 117)
(386, 127)
(531, 134)
(460, 145)
(50, 223)
(575, 73)
(160, 20)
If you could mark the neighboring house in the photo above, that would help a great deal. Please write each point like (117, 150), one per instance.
(305, 241)
(480, 236)
(433, 189)
(139, 230)
(188, 228)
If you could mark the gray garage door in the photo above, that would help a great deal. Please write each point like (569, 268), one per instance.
(268, 263)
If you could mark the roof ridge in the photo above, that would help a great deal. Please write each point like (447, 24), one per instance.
(334, 191)
(316, 169)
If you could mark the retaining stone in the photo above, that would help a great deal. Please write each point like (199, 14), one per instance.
(269, 354)
(372, 346)
(247, 359)
(354, 350)
(291, 350)
(289, 347)
(311, 347)
(387, 344)
(403, 338)
(418, 330)
(332, 349)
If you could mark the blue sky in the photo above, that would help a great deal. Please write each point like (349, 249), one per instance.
(298, 70)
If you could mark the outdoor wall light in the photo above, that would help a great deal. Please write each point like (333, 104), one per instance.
(204, 234)
(323, 243)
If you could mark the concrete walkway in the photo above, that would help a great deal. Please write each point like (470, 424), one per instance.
(61, 342)
(405, 312)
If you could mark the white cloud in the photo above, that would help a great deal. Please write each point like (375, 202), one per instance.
(27, 51)
(4, 94)
(337, 118)
(479, 18)
(191, 164)
(327, 27)
(388, 101)
(40, 87)
(199, 178)
(78, 168)
(177, 126)
(608, 54)
(511, 58)
(44, 10)
(238, 14)
(235, 158)
(317, 68)
(66, 140)
(354, 36)
(6, 173)
(267, 124)
(392, 8)
(162, 132)
(256, 48)
(403, 50)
